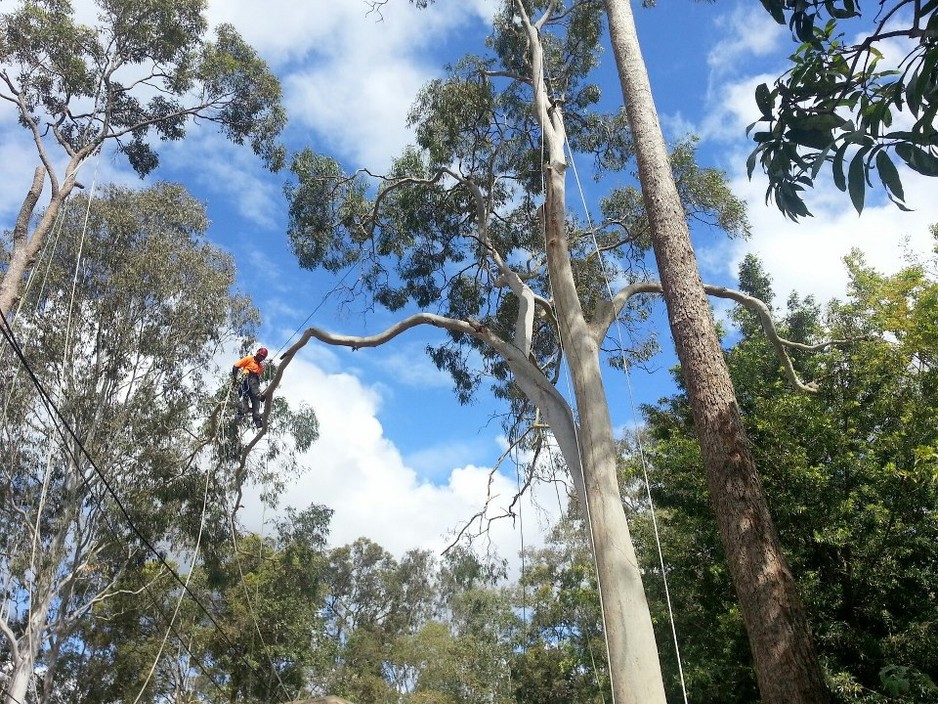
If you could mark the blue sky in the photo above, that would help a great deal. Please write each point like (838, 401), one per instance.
(399, 460)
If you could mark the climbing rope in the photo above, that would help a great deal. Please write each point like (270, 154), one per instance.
(638, 436)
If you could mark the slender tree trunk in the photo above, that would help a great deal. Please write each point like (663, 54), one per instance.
(29, 644)
(785, 661)
(44, 590)
(25, 247)
(634, 668)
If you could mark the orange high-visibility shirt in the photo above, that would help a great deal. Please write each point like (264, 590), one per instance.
(249, 365)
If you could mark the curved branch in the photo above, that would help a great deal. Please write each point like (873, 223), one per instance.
(532, 382)
(609, 312)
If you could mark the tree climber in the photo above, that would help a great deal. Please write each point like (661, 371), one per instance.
(246, 379)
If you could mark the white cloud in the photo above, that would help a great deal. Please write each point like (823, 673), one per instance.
(748, 31)
(285, 31)
(356, 470)
(229, 171)
(807, 256)
(361, 70)
(442, 457)
(732, 109)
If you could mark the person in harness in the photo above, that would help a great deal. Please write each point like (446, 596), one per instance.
(246, 378)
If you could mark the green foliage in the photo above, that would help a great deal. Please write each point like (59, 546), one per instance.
(564, 655)
(704, 194)
(144, 69)
(837, 104)
(254, 645)
(414, 630)
(851, 477)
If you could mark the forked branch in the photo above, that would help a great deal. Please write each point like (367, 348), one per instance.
(607, 315)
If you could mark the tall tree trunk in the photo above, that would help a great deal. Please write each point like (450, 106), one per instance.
(634, 668)
(785, 661)
(43, 592)
(29, 643)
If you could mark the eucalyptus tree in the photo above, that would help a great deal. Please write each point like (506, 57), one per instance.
(471, 227)
(247, 639)
(416, 629)
(141, 74)
(372, 603)
(120, 333)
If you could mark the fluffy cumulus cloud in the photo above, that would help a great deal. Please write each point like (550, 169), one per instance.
(352, 69)
(356, 470)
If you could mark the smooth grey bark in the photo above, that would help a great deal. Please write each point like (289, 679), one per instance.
(26, 245)
(786, 664)
(589, 451)
(46, 587)
(634, 668)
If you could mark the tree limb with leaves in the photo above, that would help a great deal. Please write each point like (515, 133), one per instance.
(143, 74)
(842, 106)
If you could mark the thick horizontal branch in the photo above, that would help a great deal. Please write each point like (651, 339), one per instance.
(528, 376)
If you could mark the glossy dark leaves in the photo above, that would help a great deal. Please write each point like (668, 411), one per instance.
(839, 101)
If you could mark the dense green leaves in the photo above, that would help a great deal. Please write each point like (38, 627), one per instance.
(838, 101)
(851, 477)
(145, 68)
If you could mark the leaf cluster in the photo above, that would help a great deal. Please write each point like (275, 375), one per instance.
(843, 105)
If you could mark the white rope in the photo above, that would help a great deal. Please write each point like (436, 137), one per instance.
(47, 471)
(182, 594)
(195, 553)
(247, 596)
(638, 436)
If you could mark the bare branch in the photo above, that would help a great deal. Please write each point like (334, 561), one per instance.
(607, 315)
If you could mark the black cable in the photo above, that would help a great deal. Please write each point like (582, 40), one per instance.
(54, 412)
(6, 695)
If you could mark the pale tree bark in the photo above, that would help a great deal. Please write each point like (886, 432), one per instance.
(43, 591)
(26, 245)
(634, 668)
(587, 444)
(786, 665)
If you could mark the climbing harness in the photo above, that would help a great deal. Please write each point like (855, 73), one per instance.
(243, 407)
